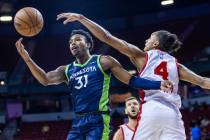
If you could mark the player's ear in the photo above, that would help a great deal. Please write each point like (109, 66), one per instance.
(126, 112)
(89, 46)
(156, 44)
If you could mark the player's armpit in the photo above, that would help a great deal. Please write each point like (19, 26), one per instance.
(118, 135)
(57, 76)
(186, 74)
(111, 64)
(119, 98)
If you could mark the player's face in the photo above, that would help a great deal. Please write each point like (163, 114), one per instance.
(78, 44)
(151, 43)
(132, 108)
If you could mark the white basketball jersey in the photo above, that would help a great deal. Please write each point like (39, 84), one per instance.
(161, 66)
(127, 132)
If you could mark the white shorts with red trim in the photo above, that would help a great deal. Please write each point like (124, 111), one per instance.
(159, 121)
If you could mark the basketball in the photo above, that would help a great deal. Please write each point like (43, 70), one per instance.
(28, 21)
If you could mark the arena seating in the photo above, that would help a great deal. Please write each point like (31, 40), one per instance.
(56, 130)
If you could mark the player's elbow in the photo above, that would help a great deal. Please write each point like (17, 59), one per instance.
(44, 82)
(107, 37)
(202, 83)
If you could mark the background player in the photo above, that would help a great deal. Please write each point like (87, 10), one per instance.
(126, 131)
(88, 79)
(154, 64)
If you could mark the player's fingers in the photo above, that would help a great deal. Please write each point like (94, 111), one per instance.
(19, 41)
(68, 20)
(165, 89)
(63, 15)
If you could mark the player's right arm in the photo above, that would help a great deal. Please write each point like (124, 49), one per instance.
(103, 35)
(53, 77)
(186, 74)
(118, 135)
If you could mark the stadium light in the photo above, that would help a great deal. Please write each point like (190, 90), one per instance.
(5, 18)
(167, 2)
(2, 83)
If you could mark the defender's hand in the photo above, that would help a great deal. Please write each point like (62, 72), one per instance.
(166, 86)
(69, 17)
(21, 50)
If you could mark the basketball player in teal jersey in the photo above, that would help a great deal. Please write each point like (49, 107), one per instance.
(88, 78)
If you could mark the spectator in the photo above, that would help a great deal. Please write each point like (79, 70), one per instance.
(195, 132)
(205, 122)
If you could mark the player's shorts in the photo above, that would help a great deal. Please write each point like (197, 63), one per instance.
(159, 121)
(90, 127)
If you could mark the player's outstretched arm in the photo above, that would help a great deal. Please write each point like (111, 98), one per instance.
(109, 63)
(189, 76)
(102, 34)
(118, 135)
(53, 77)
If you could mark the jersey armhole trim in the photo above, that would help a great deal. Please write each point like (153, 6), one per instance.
(177, 66)
(100, 67)
(129, 127)
(66, 71)
(146, 61)
(122, 132)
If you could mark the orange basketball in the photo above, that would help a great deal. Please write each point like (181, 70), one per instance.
(28, 21)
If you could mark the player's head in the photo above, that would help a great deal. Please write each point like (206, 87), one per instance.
(164, 41)
(80, 42)
(132, 107)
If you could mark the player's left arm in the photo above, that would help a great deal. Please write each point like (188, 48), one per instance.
(109, 63)
(186, 74)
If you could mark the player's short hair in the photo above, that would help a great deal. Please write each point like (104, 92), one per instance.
(131, 98)
(87, 35)
(168, 42)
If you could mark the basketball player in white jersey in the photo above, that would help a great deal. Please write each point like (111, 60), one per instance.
(160, 117)
(126, 131)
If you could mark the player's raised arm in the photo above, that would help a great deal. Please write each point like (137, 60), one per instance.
(109, 63)
(53, 77)
(189, 76)
(102, 34)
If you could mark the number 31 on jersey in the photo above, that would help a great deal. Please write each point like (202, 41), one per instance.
(81, 81)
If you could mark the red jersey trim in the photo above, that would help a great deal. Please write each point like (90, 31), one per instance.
(122, 133)
(140, 112)
(142, 69)
(129, 128)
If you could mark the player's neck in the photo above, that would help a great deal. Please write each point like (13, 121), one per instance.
(132, 123)
(83, 58)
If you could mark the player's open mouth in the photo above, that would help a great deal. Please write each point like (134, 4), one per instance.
(74, 48)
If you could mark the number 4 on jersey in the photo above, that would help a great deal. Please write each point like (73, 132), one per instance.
(161, 70)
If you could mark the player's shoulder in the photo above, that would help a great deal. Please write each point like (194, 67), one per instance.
(118, 134)
(107, 59)
(159, 53)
